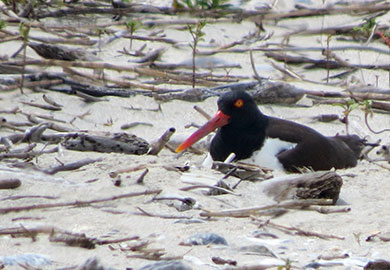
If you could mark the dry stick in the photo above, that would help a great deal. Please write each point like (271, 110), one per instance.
(246, 212)
(209, 186)
(162, 216)
(375, 104)
(161, 142)
(71, 166)
(31, 84)
(135, 124)
(7, 210)
(285, 70)
(202, 112)
(51, 125)
(42, 106)
(140, 179)
(256, 75)
(368, 8)
(46, 117)
(328, 210)
(50, 101)
(102, 65)
(157, 39)
(265, 48)
(113, 241)
(3, 40)
(366, 94)
(29, 197)
(52, 229)
(114, 174)
(297, 230)
(88, 98)
(265, 14)
(369, 127)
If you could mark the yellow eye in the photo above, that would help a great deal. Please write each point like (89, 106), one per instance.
(239, 103)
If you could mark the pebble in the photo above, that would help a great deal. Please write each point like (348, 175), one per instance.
(34, 260)
(205, 239)
(166, 265)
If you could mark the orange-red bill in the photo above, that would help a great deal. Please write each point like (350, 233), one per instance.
(220, 119)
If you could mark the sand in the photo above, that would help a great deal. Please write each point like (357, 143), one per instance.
(364, 187)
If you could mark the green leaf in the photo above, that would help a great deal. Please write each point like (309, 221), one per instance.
(3, 24)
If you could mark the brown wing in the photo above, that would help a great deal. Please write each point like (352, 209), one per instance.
(290, 131)
(313, 150)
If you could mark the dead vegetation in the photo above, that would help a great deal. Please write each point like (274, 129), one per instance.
(50, 48)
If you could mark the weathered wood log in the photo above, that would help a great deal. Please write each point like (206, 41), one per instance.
(377, 265)
(262, 92)
(315, 185)
(119, 143)
(62, 52)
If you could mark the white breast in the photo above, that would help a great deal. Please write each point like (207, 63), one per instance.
(266, 156)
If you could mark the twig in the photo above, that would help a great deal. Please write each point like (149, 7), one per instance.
(202, 112)
(134, 124)
(162, 216)
(7, 210)
(161, 142)
(31, 84)
(42, 106)
(50, 101)
(328, 210)
(369, 127)
(113, 241)
(71, 166)
(209, 186)
(246, 212)
(140, 179)
(297, 231)
(256, 75)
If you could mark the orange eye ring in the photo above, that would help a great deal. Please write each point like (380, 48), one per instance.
(239, 103)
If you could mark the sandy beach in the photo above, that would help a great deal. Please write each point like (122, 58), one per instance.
(364, 188)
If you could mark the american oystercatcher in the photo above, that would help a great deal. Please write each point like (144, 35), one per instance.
(272, 142)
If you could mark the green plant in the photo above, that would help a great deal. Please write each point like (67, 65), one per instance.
(132, 26)
(197, 35)
(24, 31)
(348, 107)
(366, 28)
(3, 24)
(286, 266)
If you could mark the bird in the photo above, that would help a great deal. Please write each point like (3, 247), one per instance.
(272, 142)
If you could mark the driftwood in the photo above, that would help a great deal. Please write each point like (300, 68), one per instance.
(377, 265)
(321, 63)
(157, 146)
(59, 235)
(315, 185)
(61, 52)
(242, 170)
(296, 230)
(119, 143)
(7, 210)
(257, 210)
(71, 166)
(263, 92)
